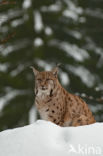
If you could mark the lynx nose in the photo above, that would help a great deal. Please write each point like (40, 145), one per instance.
(43, 88)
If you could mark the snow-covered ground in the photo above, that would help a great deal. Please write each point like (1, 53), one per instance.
(47, 139)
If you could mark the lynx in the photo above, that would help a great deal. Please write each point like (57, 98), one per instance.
(57, 105)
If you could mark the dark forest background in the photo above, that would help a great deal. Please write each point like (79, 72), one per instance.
(42, 33)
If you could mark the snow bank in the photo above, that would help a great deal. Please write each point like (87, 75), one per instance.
(47, 139)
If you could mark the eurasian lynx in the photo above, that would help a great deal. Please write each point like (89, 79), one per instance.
(55, 104)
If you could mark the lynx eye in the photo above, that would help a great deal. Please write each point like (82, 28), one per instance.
(47, 79)
(39, 79)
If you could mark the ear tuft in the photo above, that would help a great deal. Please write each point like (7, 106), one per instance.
(55, 71)
(59, 65)
(34, 70)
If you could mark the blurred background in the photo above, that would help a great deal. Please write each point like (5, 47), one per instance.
(42, 33)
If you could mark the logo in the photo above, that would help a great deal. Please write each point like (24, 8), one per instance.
(85, 149)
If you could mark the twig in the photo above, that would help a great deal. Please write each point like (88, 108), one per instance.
(5, 2)
(7, 38)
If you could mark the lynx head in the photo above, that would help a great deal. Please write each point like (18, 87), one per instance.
(45, 81)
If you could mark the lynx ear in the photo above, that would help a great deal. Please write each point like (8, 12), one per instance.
(55, 71)
(34, 70)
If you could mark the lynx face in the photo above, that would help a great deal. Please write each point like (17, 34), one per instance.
(44, 81)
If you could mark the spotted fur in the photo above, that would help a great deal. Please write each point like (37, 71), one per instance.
(55, 104)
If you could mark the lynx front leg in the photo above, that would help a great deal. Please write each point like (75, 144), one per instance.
(55, 120)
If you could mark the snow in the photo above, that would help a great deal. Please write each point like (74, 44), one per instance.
(72, 11)
(10, 94)
(64, 78)
(48, 31)
(38, 21)
(32, 115)
(72, 50)
(38, 42)
(47, 139)
(85, 75)
(26, 4)
(94, 13)
(52, 8)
